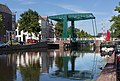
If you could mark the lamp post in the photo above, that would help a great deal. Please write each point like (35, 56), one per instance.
(39, 36)
(10, 39)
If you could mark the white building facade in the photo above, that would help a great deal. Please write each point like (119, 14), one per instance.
(47, 31)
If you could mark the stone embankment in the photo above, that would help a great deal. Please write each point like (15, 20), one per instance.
(42, 45)
(108, 72)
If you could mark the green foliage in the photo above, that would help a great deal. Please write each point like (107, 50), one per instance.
(1, 27)
(29, 22)
(80, 34)
(30, 72)
(59, 29)
(83, 34)
(59, 62)
(117, 8)
(115, 27)
(13, 42)
(1, 22)
(76, 31)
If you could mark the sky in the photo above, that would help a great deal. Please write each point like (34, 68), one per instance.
(103, 10)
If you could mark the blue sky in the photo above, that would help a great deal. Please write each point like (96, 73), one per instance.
(103, 10)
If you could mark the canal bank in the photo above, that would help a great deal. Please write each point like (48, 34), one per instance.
(109, 71)
(41, 45)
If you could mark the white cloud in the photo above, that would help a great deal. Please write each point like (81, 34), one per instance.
(115, 12)
(67, 7)
(101, 13)
(21, 0)
(18, 9)
(28, 2)
(72, 8)
(52, 13)
(78, 10)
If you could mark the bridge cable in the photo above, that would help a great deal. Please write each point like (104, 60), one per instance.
(93, 29)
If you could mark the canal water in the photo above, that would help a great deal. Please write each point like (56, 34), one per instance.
(51, 65)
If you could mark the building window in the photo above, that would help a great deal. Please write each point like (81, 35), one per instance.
(13, 18)
(15, 32)
(19, 39)
(19, 32)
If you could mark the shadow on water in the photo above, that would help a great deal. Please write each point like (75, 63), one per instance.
(50, 65)
(7, 68)
(63, 64)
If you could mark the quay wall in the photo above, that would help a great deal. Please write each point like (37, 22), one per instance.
(109, 71)
(42, 45)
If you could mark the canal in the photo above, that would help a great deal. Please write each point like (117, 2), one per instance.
(51, 65)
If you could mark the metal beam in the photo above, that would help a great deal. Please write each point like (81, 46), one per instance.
(65, 28)
(71, 17)
(72, 31)
(75, 17)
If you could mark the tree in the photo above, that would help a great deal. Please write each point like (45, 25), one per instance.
(1, 27)
(29, 22)
(30, 72)
(59, 29)
(80, 34)
(115, 27)
(76, 31)
(1, 22)
(59, 62)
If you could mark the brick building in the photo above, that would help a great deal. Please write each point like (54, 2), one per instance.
(8, 23)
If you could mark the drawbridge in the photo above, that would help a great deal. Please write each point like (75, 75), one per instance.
(72, 18)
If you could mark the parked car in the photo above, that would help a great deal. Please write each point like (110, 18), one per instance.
(22, 43)
(32, 41)
(2, 44)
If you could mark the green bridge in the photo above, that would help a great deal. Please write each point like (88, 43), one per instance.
(73, 17)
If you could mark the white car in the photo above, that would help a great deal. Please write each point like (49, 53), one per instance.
(2, 44)
(105, 49)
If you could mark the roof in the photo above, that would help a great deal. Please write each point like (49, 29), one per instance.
(45, 18)
(5, 9)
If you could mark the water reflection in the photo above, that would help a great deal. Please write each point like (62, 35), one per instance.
(66, 67)
(7, 68)
(50, 65)
(29, 66)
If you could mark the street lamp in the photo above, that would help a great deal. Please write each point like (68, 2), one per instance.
(39, 36)
(10, 39)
